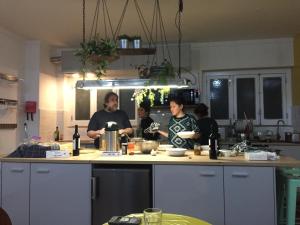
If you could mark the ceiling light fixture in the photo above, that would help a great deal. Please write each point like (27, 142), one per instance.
(154, 76)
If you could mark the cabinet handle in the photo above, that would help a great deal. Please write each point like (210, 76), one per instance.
(94, 188)
(17, 170)
(208, 174)
(240, 174)
(43, 171)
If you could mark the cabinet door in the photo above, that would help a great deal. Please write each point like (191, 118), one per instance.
(249, 195)
(60, 194)
(196, 191)
(15, 192)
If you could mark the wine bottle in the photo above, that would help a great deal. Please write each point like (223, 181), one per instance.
(213, 144)
(56, 134)
(76, 142)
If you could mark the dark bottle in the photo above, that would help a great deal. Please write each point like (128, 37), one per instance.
(124, 144)
(76, 142)
(56, 134)
(213, 144)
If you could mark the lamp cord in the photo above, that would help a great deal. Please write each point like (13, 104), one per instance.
(178, 25)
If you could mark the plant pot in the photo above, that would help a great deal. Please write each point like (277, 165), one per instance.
(136, 43)
(123, 43)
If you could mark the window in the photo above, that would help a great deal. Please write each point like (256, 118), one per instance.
(261, 95)
(87, 102)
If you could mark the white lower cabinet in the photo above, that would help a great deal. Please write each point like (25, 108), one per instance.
(47, 194)
(249, 195)
(15, 192)
(60, 194)
(196, 191)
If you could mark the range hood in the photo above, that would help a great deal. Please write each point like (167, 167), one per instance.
(130, 84)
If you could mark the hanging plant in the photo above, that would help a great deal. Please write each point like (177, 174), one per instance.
(96, 54)
(141, 94)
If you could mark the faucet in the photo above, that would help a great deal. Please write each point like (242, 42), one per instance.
(277, 133)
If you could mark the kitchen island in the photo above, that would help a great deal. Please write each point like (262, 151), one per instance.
(224, 191)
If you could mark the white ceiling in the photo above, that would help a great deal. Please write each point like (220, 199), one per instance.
(59, 22)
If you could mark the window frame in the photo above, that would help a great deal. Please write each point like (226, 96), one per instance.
(285, 73)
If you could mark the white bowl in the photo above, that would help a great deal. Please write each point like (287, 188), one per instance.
(164, 147)
(176, 151)
(186, 134)
(205, 147)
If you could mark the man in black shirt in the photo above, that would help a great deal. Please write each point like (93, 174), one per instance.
(146, 120)
(206, 124)
(96, 126)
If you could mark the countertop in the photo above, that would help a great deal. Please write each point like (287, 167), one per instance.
(95, 157)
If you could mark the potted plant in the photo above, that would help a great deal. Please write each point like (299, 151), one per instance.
(123, 40)
(136, 41)
(95, 55)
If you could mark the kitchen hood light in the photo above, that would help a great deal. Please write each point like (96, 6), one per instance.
(129, 84)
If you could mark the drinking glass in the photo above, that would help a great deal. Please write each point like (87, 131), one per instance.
(152, 216)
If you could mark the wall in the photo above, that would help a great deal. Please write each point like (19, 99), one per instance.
(296, 85)
(11, 62)
(48, 93)
(265, 53)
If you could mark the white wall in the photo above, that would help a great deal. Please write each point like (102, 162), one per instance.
(11, 62)
(265, 53)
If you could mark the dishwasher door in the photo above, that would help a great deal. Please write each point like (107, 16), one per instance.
(120, 190)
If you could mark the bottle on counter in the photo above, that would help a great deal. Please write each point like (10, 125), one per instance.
(76, 142)
(213, 144)
(56, 134)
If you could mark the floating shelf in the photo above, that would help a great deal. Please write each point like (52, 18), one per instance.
(10, 102)
(8, 77)
(136, 51)
(8, 125)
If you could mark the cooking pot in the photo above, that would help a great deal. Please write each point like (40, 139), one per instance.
(147, 146)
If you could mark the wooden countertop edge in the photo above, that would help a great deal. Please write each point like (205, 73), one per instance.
(190, 159)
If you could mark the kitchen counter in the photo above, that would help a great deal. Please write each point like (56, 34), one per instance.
(94, 156)
(277, 143)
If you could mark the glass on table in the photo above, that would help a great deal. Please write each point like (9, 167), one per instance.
(197, 149)
(152, 216)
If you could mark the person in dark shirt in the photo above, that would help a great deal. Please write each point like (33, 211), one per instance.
(204, 123)
(146, 120)
(96, 126)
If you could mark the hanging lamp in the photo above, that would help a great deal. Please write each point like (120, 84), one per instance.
(152, 80)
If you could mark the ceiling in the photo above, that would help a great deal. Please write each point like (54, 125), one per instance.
(59, 22)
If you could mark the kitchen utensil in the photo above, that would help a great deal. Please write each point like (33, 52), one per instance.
(186, 134)
(176, 151)
(296, 137)
(288, 136)
(154, 127)
(147, 146)
(137, 143)
(111, 137)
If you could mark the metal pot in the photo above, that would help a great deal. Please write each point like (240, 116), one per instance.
(147, 146)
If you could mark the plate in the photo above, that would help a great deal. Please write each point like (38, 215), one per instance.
(176, 151)
(186, 134)
(164, 147)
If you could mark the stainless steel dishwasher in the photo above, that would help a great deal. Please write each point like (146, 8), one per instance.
(118, 190)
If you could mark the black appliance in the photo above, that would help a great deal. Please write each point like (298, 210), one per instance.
(119, 190)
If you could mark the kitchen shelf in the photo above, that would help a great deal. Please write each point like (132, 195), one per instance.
(8, 126)
(8, 77)
(10, 102)
(136, 51)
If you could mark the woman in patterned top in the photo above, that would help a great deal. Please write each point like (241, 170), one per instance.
(180, 122)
